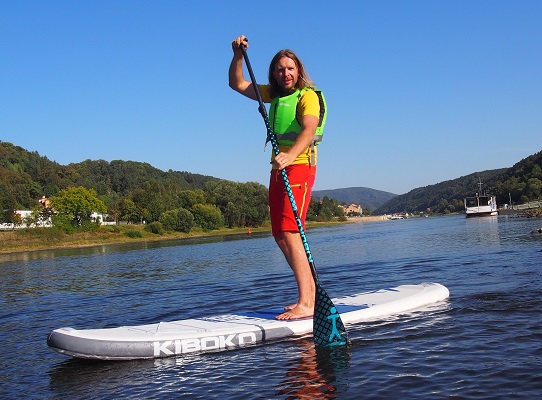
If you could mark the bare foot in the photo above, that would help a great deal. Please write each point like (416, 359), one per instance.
(290, 307)
(298, 312)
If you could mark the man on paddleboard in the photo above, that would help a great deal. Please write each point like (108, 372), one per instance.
(297, 116)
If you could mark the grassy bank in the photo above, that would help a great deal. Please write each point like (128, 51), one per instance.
(51, 238)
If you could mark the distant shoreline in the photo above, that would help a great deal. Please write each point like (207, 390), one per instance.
(369, 218)
(37, 239)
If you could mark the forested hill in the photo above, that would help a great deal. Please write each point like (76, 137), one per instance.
(368, 198)
(522, 182)
(25, 176)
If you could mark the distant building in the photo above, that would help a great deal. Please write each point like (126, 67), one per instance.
(25, 215)
(352, 209)
(102, 218)
(398, 216)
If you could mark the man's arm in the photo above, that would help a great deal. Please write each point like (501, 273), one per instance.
(237, 80)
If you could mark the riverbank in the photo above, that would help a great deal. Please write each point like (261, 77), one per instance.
(33, 239)
(369, 218)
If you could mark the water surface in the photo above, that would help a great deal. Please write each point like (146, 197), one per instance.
(485, 342)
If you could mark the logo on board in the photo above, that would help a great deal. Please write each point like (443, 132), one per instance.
(181, 346)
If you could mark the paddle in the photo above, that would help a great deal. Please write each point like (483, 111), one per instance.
(327, 327)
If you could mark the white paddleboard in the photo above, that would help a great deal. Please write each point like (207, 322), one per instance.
(225, 332)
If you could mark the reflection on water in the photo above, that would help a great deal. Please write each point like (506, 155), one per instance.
(26, 256)
(310, 373)
(316, 373)
(483, 230)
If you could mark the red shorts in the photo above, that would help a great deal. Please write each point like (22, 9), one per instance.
(301, 178)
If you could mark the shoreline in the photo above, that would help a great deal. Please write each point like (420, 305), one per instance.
(85, 239)
(40, 239)
(37, 239)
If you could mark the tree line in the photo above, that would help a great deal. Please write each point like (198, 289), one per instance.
(519, 184)
(131, 192)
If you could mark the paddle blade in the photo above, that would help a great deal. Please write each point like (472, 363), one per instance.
(327, 326)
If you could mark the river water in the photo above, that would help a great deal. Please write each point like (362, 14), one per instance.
(485, 342)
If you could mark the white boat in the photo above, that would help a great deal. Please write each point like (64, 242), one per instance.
(481, 205)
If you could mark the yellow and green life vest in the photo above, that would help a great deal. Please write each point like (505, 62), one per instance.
(284, 118)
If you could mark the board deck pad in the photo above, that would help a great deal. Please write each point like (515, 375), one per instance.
(230, 331)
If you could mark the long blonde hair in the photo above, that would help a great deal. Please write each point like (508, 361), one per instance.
(302, 81)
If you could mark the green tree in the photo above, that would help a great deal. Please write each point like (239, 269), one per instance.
(189, 198)
(155, 227)
(180, 220)
(534, 188)
(127, 211)
(330, 208)
(77, 204)
(314, 210)
(6, 199)
(255, 210)
(242, 204)
(324, 210)
(227, 197)
(185, 220)
(152, 200)
(232, 215)
(207, 216)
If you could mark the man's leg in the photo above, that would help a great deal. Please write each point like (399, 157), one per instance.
(291, 245)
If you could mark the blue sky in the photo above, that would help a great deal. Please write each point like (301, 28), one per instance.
(418, 91)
